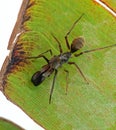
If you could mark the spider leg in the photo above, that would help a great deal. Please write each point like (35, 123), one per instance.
(67, 34)
(73, 63)
(41, 55)
(67, 74)
(59, 44)
(93, 50)
(52, 88)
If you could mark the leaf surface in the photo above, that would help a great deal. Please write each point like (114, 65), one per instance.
(86, 106)
(7, 125)
(111, 4)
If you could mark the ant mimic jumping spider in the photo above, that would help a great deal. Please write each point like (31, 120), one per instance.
(57, 61)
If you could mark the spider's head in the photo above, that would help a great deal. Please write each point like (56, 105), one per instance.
(77, 44)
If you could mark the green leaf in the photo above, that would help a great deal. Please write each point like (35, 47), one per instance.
(7, 125)
(110, 3)
(86, 106)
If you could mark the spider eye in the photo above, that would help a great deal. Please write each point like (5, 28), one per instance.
(77, 44)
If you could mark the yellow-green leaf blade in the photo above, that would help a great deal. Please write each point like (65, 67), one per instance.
(85, 106)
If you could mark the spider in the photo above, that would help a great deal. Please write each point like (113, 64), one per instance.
(57, 61)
